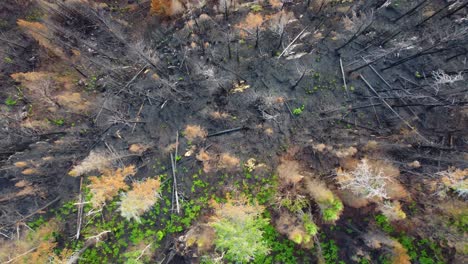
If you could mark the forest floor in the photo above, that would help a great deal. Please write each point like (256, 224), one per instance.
(282, 104)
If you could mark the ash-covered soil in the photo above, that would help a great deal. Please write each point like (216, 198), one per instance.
(323, 84)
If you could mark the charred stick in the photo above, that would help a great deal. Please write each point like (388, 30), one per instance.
(357, 34)
(176, 195)
(433, 15)
(456, 55)
(137, 118)
(12, 43)
(357, 125)
(13, 260)
(80, 211)
(454, 11)
(344, 78)
(226, 15)
(256, 39)
(298, 81)
(365, 65)
(32, 214)
(391, 109)
(390, 38)
(389, 86)
(225, 131)
(280, 40)
(133, 79)
(412, 57)
(410, 11)
(292, 42)
(289, 109)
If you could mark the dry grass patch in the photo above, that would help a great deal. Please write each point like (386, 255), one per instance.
(30, 171)
(73, 101)
(346, 152)
(219, 115)
(193, 132)
(96, 161)
(207, 159)
(42, 35)
(137, 148)
(288, 172)
(227, 161)
(20, 164)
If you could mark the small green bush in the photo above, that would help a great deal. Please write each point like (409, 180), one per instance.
(239, 231)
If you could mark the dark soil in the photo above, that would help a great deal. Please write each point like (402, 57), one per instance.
(198, 68)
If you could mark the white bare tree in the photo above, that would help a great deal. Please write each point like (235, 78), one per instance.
(441, 78)
(364, 181)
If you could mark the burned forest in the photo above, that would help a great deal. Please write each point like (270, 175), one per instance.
(232, 131)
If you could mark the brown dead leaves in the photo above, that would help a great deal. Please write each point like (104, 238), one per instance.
(193, 132)
(166, 8)
(221, 161)
(107, 186)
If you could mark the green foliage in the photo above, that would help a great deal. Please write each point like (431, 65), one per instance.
(382, 221)
(331, 210)
(239, 226)
(460, 222)
(58, 122)
(3, 24)
(8, 60)
(91, 84)
(34, 15)
(282, 250)
(256, 8)
(133, 257)
(10, 101)
(299, 110)
(295, 205)
(309, 225)
(198, 184)
(329, 251)
(241, 239)
(423, 251)
(37, 223)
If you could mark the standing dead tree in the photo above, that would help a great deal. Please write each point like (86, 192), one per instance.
(357, 23)
(445, 39)
(393, 111)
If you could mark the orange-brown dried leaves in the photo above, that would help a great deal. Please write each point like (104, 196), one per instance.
(107, 186)
(166, 8)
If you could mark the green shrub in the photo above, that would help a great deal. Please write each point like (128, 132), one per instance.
(10, 101)
(331, 211)
(309, 225)
(238, 228)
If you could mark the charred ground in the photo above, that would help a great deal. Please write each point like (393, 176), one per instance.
(259, 80)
